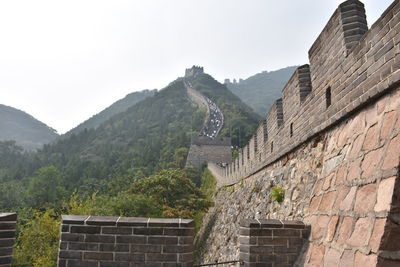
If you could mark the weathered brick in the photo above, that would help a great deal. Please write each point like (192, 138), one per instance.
(100, 238)
(5, 251)
(7, 234)
(130, 257)
(117, 230)
(345, 230)
(371, 138)
(146, 248)
(385, 194)
(102, 220)
(148, 231)
(361, 259)
(178, 232)
(377, 234)
(371, 162)
(114, 247)
(269, 241)
(97, 256)
(70, 255)
(73, 219)
(82, 263)
(286, 232)
(389, 120)
(132, 239)
(347, 203)
(365, 198)
(361, 233)
(347, 258)
(161, 257)
(162, 240)
(115, 264)
(317, 255)
(85, 229)
(83, 246)
(186, 257)
(7, 242)
(330, 232)
(177, 249)
(392, 155)
(332, 257)
(7, 225)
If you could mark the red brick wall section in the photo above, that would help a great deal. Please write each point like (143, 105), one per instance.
(120, 241)
(7, 237)
(271, 242)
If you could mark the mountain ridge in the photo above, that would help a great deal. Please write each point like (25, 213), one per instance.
(260, 90)
(24, 129)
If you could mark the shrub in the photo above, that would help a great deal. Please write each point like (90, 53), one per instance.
(277, 194)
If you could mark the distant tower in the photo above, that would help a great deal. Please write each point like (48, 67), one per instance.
(194, 71)
(227, 81)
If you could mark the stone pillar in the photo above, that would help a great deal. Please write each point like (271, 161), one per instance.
(8, 222)
(120, 241)
(271, 242)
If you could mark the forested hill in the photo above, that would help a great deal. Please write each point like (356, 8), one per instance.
(148, 137)
(21, 127)
(118, 107)
(261, 90)
(240, 120)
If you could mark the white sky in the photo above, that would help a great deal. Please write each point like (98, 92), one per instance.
(64, 61)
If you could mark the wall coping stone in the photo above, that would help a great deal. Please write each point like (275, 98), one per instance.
(272, 223)
(8, 217)
(126, 221)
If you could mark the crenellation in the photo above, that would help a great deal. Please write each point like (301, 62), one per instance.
(354, 76)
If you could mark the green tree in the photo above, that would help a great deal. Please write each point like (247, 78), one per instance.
(174, 191)
(38, 241)
(45, 187)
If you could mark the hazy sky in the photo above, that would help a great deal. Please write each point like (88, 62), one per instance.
(64, 61)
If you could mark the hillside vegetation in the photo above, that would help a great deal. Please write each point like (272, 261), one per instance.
(240, 120)
(129, 165)
(261, 90)
(21, 127)
(118, 107)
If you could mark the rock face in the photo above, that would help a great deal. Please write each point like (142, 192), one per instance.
(333, 143)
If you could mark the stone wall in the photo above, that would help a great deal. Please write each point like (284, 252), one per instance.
(7, 237)
(334, 147)
(120, 241)
(344, 183)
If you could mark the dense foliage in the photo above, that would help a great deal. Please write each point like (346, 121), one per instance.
(261, 90)
(118, 107)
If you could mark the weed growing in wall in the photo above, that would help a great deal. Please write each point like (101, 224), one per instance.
(277, 194)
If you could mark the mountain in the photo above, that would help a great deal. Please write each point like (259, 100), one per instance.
(118, 107)
(21, 127)
(148, 137)
(261, 90)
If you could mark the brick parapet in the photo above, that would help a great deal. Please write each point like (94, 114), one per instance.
(8, 222)
(356, 71)
(271, 242)
(121, 241)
